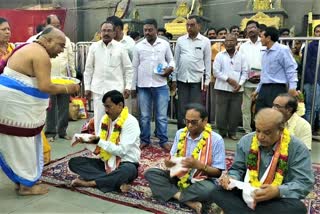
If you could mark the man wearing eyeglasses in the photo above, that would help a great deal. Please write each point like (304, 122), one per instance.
(196, 189)
(297, 126)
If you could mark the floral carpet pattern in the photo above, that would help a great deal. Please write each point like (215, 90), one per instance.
(139, 195)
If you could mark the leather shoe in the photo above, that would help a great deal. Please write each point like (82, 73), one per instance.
(233, 137)
(143, 145)
(166, 147)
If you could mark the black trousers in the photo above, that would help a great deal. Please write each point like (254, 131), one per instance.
(267, 93)
(228, 111)
(90, 169)
(164, 187)
(187, 93)
(230, 201)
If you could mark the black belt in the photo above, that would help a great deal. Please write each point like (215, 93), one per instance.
(274, 84)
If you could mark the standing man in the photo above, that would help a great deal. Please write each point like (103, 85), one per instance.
(108, 67)
(235, 30)
(125, 40)
(152, 64)
(25, 86)
(203, 156)
(309, 77)
(230, 69)
(218, 46)
(193, 60)
(63, 65)
(279, 74)
(211, 33)
(251, 50)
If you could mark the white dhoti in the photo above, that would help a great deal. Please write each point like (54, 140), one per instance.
(22, 117)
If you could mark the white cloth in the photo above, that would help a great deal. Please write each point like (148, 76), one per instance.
(301, 129)
(99, 110)
(253, 55)
(193, 59)
(248, 193)
(107, 68)
(177, 169)
(33, 38)
(225, 67)
(24, 107)
(128, 148)
(128, 44)
(146, 58)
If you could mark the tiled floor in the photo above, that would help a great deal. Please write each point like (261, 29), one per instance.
(65, 201)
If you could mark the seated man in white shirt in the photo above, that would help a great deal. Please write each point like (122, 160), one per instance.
(118, 147)
(297, 126)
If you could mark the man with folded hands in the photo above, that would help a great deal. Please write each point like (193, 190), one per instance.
(197, 156)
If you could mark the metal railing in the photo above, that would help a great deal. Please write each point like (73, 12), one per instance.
(82, 49)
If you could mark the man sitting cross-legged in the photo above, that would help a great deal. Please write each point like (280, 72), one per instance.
(272, 161)
(118, 142)
(202, 156)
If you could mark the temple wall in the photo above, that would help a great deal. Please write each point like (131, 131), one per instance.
(85, 16)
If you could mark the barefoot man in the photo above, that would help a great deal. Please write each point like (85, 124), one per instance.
(118, 147)
(25, 87)
(202, 156)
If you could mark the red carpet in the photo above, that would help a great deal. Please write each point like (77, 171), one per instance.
(139, 196)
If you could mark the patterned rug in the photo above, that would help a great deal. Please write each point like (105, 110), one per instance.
(139, 196)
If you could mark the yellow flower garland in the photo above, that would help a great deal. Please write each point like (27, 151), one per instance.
(281, 165)
(181, 148)
(104, 155)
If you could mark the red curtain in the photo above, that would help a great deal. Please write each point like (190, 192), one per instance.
(23, 23)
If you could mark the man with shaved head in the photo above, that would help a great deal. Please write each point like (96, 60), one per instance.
(274, 163)
(25, 85)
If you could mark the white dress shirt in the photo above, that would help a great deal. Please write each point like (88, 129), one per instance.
(107, 68)
(301, 129)
(253, 55)
(128, 146)
(128, 44)
(235, 67)
(146, 58)
(33, 38)
(193, 59)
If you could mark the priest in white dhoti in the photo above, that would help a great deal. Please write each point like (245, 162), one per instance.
(117, 146)
(196, 158)
(25, 86)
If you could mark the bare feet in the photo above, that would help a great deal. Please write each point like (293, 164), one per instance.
(37, 189)
(81, 183)
(195, 205)
(17, 187)
(124, 188)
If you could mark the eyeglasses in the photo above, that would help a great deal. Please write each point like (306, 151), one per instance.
(278, 106)
(192, 122)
